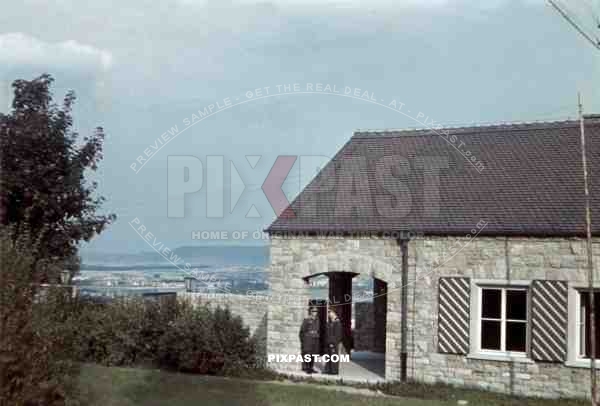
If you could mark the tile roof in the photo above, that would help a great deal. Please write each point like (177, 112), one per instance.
(517, 179)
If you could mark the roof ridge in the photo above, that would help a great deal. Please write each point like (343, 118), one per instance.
(514, 125)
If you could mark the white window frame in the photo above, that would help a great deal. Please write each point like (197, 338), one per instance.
(476, 352)
(574, 358)
(580, 325)
(580, 322)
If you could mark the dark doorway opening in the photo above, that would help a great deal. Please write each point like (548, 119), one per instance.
(340, 299)
(335, 290)
(321, 306)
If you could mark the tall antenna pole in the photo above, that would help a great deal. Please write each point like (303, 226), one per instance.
(588, 221)
(594, 42)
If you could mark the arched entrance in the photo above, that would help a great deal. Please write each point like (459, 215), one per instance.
(361, 305)
(339, 297)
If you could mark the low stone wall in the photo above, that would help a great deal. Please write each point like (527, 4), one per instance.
(250, 308)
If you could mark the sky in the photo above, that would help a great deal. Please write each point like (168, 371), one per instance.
(144, 70)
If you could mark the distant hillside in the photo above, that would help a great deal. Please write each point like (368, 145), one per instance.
(198, 256)
(242, 255)
(136, 267)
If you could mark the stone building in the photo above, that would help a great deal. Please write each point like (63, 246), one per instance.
(475, 240)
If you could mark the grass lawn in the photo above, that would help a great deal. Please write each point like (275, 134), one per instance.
(102, 386)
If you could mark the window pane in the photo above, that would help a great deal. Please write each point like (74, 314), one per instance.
(516, 336)
(490, 335)
(490, 303)
(585, 341)
(516, 304)
(582, 331)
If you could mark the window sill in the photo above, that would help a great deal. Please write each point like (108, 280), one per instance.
(501, 357)
(582, 363)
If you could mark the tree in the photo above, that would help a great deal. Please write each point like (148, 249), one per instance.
(43, 163)
(38, 330)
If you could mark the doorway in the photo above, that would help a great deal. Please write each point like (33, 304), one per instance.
(321, 306)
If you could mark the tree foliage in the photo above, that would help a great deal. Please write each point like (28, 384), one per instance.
(37, 333)
(46, 209)
(43, 164)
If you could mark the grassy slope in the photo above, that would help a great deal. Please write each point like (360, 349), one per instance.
(127, 387)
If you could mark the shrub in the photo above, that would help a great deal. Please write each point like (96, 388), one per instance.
(238, 349)
(190, 343)
(207, 341)
(36, 331)
(157, 317)
(173, 335)
(110, 333)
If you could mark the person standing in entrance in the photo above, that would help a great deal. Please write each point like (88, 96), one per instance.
(333, 342)
(309, 339)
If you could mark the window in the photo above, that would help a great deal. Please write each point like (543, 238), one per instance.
(503, 319)
(583, 327)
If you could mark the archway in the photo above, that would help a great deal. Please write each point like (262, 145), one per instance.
(339, 297)
(361, 305)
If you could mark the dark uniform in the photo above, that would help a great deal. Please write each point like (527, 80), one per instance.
(309, 341)
(334, 338)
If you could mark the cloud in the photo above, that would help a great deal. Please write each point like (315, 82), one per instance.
(21, 49)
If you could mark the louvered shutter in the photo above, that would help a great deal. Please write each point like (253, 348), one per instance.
(454, 315)
(549, 320)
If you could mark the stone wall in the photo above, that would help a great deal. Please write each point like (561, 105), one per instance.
(252, 310)
(490, 258)
(295, 259)
(482, 258)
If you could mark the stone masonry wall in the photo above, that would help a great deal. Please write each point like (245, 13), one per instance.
(294, 259)
(490, 258)
(482, 258)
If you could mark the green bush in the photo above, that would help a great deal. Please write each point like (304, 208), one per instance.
(110, 334)
(173, 335)
(190, 343)
(36, 331)
(239, 349)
